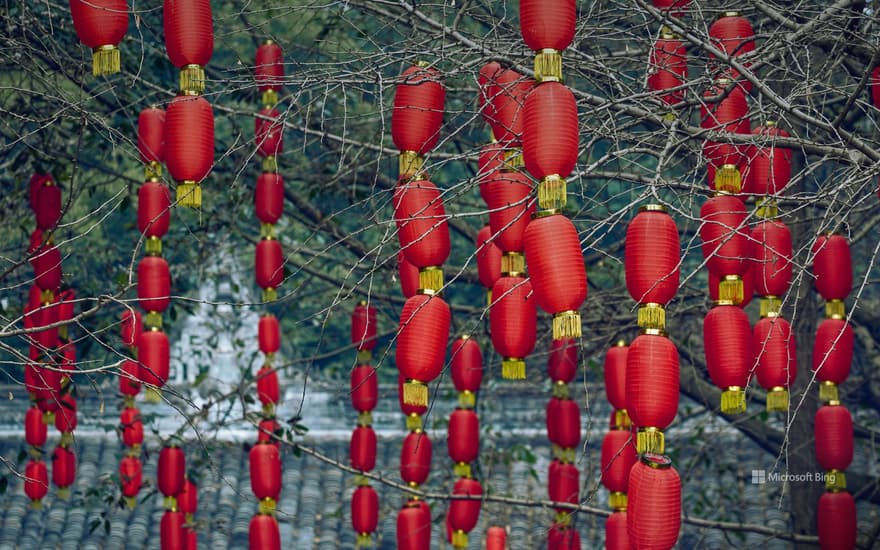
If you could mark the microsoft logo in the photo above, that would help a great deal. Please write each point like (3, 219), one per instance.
(759, 476)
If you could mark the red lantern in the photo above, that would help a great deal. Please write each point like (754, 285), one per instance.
(46, 262)
(563, 484)
(189, 143)
(263, 533)
(362, 449)
(363, 326)
(131, 327)
(733, 35)
(412, 411)
(154, 287)
(415, 458)
(131, 476)
(837, 521)
(488, 258)
(36, 183)
(726, 244)
(129, 383)
(652, 387)
(488, 88)
(832, 265)
(547, 26)
(36, 481)
(101, 25)
(48, 207)
(151, 136)
(364, 386)
(563, 423)
(269, 71)
(171, 531)
(677, 6)
(269, 334)
(614, 369)
(728, 341)
(464, 514)
(616, 537)
(769, 165)
(65, 418)
(269, 132)
(667, 68)
(269, 264)
(618, 457)
(154, 356)
(466, 365)
(562, 537)
(171, 471)
(418, 110)
(726, 161)
(421, 344)
(508, 99)
(189, 40)
(35, 430)
(47, 338)
(414, 526)
(408, 275)
(550, 139)
(834, 439)
(268, 431)
(269, 197)
(188, 498)
(562, 364)
(558, 275)
(154, 210)
(265, 467)
(496, 538)
(651, 259)
(508, 196)
(773, 253)
(422, 228)
(364, 510)
(491, 160)
(775, 354)
(267, 386)
(654, 512)
(63, 468)
(132, 427)
(464, 436)
(512, 321)
(832, 356)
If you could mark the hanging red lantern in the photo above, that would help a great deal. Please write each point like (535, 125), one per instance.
(364, 385)
(563, 484)
(171, 530)
(154, 357)
(488, 259)
(269, 71)
(131, 477)
(487, 84)
(65, 419)
(550, 139)
(614, 369)
(512, 322)
(616, 537)
(508, 196)
(263, 533)
(154, 288)
(189, 143)
(48, 206)
(408, 275)
(726, 161)
(63, 470)
(417, 116)
(562, 363)
(654, 512)
(129, 383)
(491, 160)
(834, 443)
(47, 391)
(269, 132)
(151, 139)
(188, 499)
(35, 430)
(727, 246)
(46, 262)
(832, 356)
(769, 167)
(189, 40)
(46, 316)
(733, 35)
(463, 443)
(171, 472)
(364, 512)
(547, 26)
(132, 428)
(131, 327)
(269, 267)
(618, 457)
(773, 265)
(728, 341)
(557, 272)
(837, 521)
(362, 449)
(651, 259)
(652, 386)
(101, 25)
(35, 184)
(268, 431)
(508, 99)
(466, 364)
(667, 67)
(421, 344)
(464, 514)
(422, 230)
(269, 198)
(563, 537)
(775, 354)
(265, 468)
(564, 424)
(269, 334)
(496, 538)
(678, 7)
(832, 265)
(414, 526)
(268, 391)
(415, 458)
(154, 214)
(363, 327)
(36, 482)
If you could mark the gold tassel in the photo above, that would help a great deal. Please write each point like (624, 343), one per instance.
(567, 455)
(467, 399)
(153, 246)
(130, 503)
(552, 194)
(152, 395)
(48, 418)
(413, 422)
(189, 194)
(733, 400)
(828, 392)
(36, 505)
(105, 60)
(652, 315)
(153, 320)
(170, 503)
(66, 439)
(777, 399)
(364, 356)
(548, 65)
(459, 539)
(128, 401)
(269, 295)
(513, 160)
(562, 519)
(364, 540)
(462, 469)
(730, 289)
(365, 418)
(47, 297)
(266, 506)
(513, 264)
(267, 230)
(649, 440)
(835, 481)
(410, 165)
(622, 420)
(566, 324)
(766, 208)
(269, 410)
(134, 450)
(270, 164)
(728, 179)
(513, 368)
(770, 306)
(617, 501)
(415, 393)
(431, 278)
(835, 309)
(560, 390)
(269, 98)
(153, 170)
(192, 79)
(361, 480)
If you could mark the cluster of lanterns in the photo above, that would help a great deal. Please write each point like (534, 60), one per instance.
(177, 527)
(265, 457)
(364, 393)
(51, 351)
(618, 454)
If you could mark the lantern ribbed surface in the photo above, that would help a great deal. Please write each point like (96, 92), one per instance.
(654, 512)
(466, 360)
(616, 536)
(769, 165)
(724, 110)
(651, 257)
(562, 537)
(188, 498)
(563, 483)
(725, 235)
(131, 476)
(364, 509)
(269, 132)
(63, 467)
(833, 350)
(652, 385)
(154, 283)
(773, 253)
(550, 128)
(363, 327)
(775, 352)
(189, 138)
(154, 356)
(189, 32)
(667, 68)
(154, 209)
(171, 470)
(269, 263)
(36, 479)
(415, 458)
(269, 197)
(99, 22)
(364, 386)
(418, 110)
(487, 82)
(48, 207)
(265, 468)
(362, 448)
(268, 390)
(47, 267)
(564, 423)
(408, 275)
(35, 431)
(496, 538)
(614, 369)
(488, 258)
(151, 135)
(837, 521)
(490, 160)
(269, 67)
(422, 337)
(834, 437)
(414, 526)
(832, 265)
(513, 317)
(263, 533)
(562, 363)
(269, 334)
(464, 435)
(547, 25)
(508, 100)
(132, 426)
(733, 35)
(464, 514)
(556, 264)
(508, 196)
(421, 221)
(618, 457)
(728, 341)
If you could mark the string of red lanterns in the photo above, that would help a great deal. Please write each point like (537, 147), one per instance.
(618, 454)
(264, 457)
(364, 393)
(667, 64)
(101, 25)
(170, 479)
